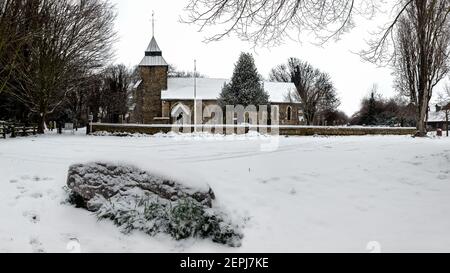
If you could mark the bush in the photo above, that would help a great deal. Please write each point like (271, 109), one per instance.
(189, 219)
(182, 219)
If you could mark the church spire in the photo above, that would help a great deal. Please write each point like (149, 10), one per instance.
(153, 48)
(153, 54)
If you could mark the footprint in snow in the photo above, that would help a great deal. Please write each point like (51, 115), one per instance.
(265, 181)
(413, 163)
(47, 179)
(13, 181)
(68, 236)
(442, 177)
(32, 216)
(37, 195)
(36, 178)
(36, 245)
(22, 190)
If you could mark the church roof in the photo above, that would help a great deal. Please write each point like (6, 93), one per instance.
(210, 89)
(153, 46)
(153, 55)
(434, 116)
(153, 61)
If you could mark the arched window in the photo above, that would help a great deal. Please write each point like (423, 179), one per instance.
(289, 113)
(181, 114)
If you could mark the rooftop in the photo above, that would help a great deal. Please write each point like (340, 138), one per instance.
(210, 89)
(153, 55)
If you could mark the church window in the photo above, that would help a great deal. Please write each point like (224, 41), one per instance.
(289, 113)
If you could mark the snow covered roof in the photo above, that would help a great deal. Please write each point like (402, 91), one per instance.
(153, 61)
(210, 89)
(434, 116)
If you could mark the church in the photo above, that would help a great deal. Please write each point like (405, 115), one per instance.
(157, 95)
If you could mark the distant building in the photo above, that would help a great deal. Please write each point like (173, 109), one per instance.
(439, 118)
(158, 96)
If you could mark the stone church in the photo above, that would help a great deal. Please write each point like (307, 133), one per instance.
(157, 96)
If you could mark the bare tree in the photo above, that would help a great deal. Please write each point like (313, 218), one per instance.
(270, 22)
(284, 72)
(421, 53)
(116, 90)
(315, 89)
(12, 36)
(75, 37)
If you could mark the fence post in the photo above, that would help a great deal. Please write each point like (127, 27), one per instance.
(446, 119)
(13, 131)
(3, 130)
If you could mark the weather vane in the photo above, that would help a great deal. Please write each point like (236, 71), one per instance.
(153, 23)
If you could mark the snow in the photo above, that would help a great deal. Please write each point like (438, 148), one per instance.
(434, 116)
(312, 194)
(210, 89)
(183, 176)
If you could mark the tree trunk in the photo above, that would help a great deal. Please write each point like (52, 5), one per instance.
(422, 114)
(41, 124)
(309, 116)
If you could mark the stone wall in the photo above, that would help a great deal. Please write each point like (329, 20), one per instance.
(344, 131)
(295, 119)
(170, 104)
(284, 130)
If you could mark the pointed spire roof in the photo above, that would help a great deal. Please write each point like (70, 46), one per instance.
(153, 46)
(153, 55)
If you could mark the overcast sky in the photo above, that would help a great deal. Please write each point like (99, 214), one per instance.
(182, 43)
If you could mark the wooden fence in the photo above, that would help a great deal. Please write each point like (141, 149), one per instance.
(16, 129)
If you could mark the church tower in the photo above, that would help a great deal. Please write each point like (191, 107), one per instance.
(153, 70)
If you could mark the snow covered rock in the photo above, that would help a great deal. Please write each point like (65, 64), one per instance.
(138, 200)
(108, 180)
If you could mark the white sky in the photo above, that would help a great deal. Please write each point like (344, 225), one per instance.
(182, 43)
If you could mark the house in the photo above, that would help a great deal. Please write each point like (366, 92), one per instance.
(439, 119)
(158, 96)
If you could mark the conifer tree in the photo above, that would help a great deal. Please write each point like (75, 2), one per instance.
(246, 87)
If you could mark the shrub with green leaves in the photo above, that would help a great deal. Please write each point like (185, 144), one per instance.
(182, 219)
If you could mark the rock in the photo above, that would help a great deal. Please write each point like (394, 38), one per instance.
(139, 200)
(88, 181)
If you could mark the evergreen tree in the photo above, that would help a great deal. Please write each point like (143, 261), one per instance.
(370, 118)
(245, 87)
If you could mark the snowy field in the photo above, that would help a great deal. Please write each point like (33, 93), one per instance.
(312, 194)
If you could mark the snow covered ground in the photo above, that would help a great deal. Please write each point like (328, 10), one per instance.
(311, 194)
